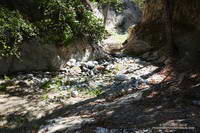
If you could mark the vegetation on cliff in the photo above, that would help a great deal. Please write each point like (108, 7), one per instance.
(53, 21)
(13, 30)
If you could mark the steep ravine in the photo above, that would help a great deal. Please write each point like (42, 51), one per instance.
(36, 56)
(119, 94)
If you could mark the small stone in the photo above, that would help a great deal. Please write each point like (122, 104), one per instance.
(130, 90)
(47, 73)
(75, 70)
(63, 87)
(101, 130)
(30, 75)
(121, 77)
(92, 73)
(91, 64)
(40, 115)
(71, 62)
(20, 77)
(100, 68)
(22, 84)
(105, 64)
(138, 96)
(123, 91)
(74, 93)
(45, 80)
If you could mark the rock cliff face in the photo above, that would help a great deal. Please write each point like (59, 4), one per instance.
(174, 22)
(119, 21)
(40, 57)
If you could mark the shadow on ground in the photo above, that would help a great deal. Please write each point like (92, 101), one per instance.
(160, 107)
(163, 105)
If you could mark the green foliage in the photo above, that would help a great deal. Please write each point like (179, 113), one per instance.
(140, 3)
(46, 85)
(58, 22)
(13, 30)
(112, 2)
(91, 92)
(3, 87)
(64, 21)
(95, 92)
(117, 4)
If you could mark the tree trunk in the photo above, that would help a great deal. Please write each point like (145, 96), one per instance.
(168, 18)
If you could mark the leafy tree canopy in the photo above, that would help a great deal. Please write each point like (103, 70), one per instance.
(53, 21)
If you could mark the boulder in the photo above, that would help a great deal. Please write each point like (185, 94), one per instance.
(136, 47)
(121, 77)
(45, 57)
(34, 56)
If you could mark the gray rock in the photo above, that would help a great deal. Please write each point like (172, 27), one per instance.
(122, 77)
(44, 80)
(75, 70)
(29, 75)
(22, 83)
(136, 47)
(101, 130)
(74, 93)
(43, 57)
(71, 62)
(63, 87)
(110, 67)
(91, 64)
(121, 21)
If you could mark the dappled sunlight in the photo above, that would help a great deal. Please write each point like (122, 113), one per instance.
(47, 95)
(99, 66)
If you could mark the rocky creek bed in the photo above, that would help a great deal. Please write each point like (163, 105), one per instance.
(106, 96)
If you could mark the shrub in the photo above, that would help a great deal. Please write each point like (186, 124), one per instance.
(117, 4)
(64, 21)
(139, 3)
(13, 30)
(59, 21)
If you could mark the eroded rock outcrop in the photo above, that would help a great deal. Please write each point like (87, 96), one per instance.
(118, 20)
(170, 22)
(41, 57)
(136, 47)
(36, 56)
